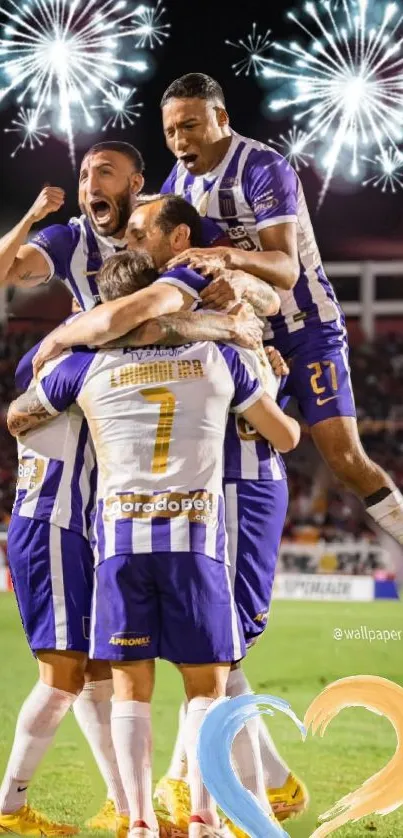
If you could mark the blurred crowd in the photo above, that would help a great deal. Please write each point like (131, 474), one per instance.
(319, 509)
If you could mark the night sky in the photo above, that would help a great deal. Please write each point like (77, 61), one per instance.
(199, 30)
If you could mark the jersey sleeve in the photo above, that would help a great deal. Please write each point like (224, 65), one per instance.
(62, 380)
(56, 245)
(247, 387)
(185, 278)
(169, 184)
(271, 188)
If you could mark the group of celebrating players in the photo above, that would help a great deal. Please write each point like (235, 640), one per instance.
(151, 493)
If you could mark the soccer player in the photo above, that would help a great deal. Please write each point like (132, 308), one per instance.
(162, 581)
(51, 565)
(256, 498)
(111, 176)
(257, 198)
(256, 488)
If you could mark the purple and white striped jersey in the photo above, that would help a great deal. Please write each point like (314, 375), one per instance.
(75, 253)
(247, 456)
(253, 188)
(157, 417)
(56, 465)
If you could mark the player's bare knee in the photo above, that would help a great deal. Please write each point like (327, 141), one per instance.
(207, 680)
(62, 670)
(133, 681)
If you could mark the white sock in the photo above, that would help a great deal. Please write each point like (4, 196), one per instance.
(388, 514)
(202, 804)
(38, 720)
(131, 734)
(246, 749)
(92, 710)
(275, 770)
(178, 766)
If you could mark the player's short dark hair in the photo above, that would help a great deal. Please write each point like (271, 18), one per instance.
(194, 86)
(122, 148)
(174, 211)
(124, 273)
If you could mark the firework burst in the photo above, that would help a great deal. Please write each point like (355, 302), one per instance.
(254, 47)
(120, 108)
(293, 146)
(388, 167)
(151, 30)
(64, 54)
(348, 81)
(29, 127)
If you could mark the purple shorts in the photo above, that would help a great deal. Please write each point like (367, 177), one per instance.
(255, 516)
(52, 573)
(177, 606)
(320, 382)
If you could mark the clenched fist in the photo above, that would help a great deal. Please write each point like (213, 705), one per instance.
(49, 200)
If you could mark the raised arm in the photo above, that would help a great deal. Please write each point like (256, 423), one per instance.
(26, 413)
(20, 263)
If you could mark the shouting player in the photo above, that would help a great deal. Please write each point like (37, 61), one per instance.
(162, 580)
(257, 198)
(111, 176)
(110, 179)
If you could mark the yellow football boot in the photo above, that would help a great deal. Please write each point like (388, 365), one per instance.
(174, 796)
(27, 821)
(105, 818)
(122, 823)
(289, 800)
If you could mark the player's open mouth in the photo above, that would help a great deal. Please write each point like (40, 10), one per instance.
(189, 160)
(101, 211)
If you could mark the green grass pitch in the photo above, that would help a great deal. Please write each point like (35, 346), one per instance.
(296, 658)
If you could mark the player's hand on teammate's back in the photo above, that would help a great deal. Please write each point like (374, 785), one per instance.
(50, 199)
(248, 327)
(278, 364)
(51, 347)
(204, 260)
(226, 288)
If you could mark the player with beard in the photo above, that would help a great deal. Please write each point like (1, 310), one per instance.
(111, 176)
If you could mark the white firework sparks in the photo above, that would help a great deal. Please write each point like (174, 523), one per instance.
(65, 52)
(151, 31)
(349, 80)
(254, 46)
(122, 110)
(28, 125)
(389, 170)
(293, 146)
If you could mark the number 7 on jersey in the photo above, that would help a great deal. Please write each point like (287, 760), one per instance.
(167, 401)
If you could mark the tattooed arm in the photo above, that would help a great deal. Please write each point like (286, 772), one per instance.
(241, 327)
(26, 413)
(230, 287)
(20, 263)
